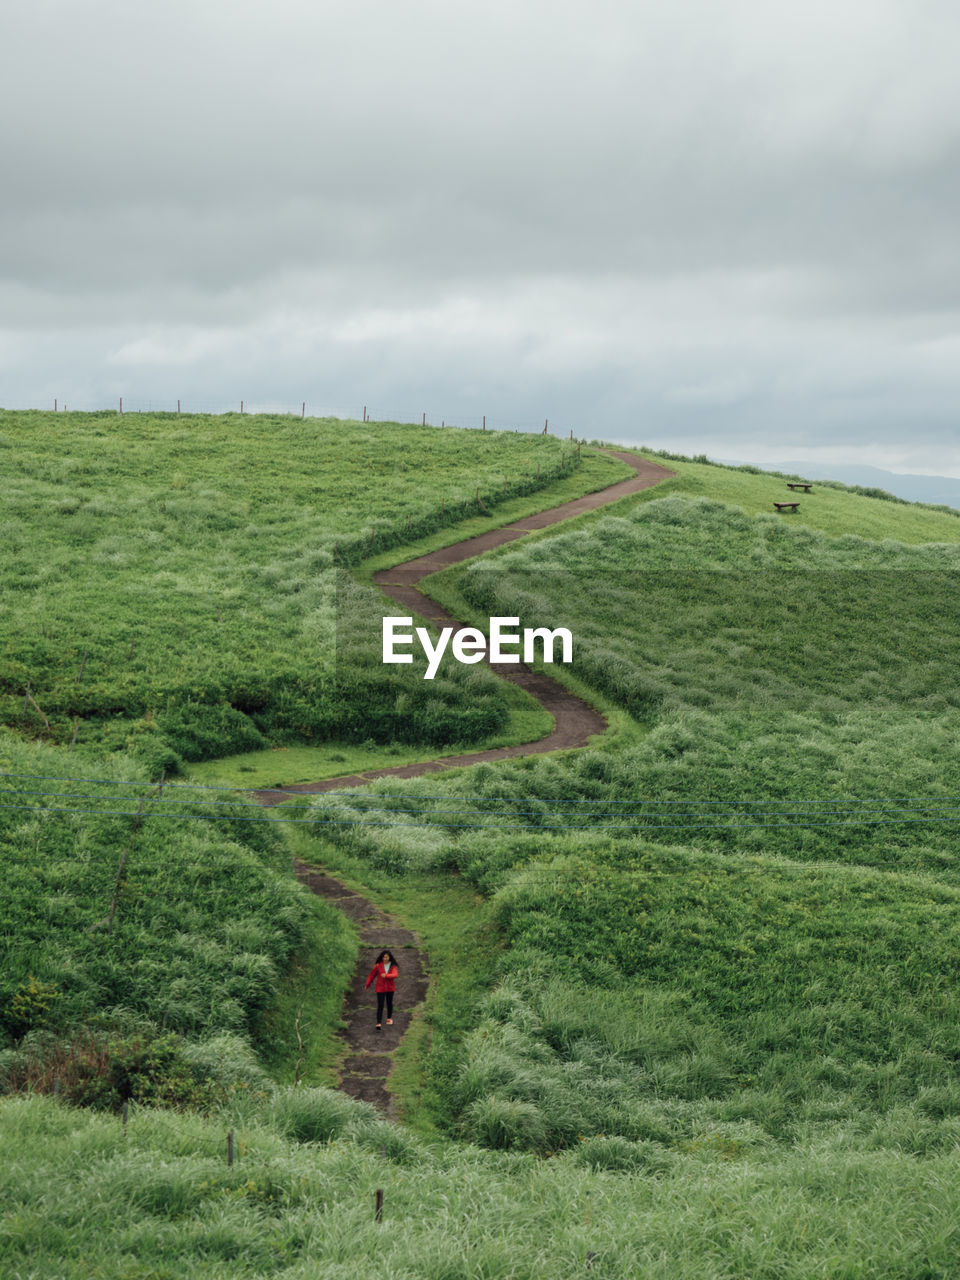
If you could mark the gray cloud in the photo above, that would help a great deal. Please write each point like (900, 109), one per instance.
(722, 224)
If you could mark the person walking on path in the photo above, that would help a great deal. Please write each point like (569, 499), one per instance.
(385, 971)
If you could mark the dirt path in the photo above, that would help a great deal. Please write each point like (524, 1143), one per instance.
(369, 1058)
(575, 721)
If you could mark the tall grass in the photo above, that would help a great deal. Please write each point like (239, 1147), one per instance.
(169, 583)
(737, 950)
(160, 1201)
(143, 928)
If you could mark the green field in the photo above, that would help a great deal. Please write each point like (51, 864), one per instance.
(695, 1005)
(170, 583)
(833, 508)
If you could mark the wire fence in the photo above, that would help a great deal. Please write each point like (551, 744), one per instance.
(470, 421)
(496, 813)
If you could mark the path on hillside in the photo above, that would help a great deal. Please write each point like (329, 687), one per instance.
(368, 1059)
(575, 721)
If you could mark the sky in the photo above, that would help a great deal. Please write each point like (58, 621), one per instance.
(720, 226)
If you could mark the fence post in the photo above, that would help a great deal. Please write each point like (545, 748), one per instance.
(121, 404)
(424, 422)
(37, 705)
(364, 413)
(484, 422)
(241, 406)
(378, 1206)
(54, 406)
(230, 1148)
(178, 408)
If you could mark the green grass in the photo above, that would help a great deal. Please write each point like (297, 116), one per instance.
(713, 1050)
(596, 471)
(308, 1002)
(115, 927)
(159, 1203)
(798, 668)
(170, 586)
(282, 766)
(832, 508)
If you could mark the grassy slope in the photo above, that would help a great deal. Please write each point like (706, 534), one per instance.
(834, 510)
(171, 925)
(527, 720)
(750, 1120)
(281, 766)
(159, 1203)
(741, 699)
(185, 566)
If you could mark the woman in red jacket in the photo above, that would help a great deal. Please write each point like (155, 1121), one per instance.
(385, 971)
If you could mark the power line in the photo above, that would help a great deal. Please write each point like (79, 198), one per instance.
(492, 826)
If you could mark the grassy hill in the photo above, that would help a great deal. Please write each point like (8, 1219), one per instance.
(834, 508)
(741, 907)
(170, 583)
(695, 1008)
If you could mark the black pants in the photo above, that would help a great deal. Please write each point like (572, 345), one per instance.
(381, 997)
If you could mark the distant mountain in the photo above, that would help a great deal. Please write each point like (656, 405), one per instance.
(936, 489)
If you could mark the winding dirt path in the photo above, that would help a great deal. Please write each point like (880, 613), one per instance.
(575, 721)
(368, 1060)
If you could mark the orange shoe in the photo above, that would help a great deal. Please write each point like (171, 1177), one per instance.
(389, 1022)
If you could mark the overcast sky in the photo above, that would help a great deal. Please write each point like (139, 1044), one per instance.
(717, 225)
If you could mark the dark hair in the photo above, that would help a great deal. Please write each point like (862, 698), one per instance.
(379, 959)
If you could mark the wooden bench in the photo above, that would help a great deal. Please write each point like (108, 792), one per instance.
(799, 484)
(786, 506)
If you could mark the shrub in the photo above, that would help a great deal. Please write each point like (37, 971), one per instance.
(102, 1070)
(200, 732)
(157, 756)
(618, 1155)
(27, 1006)
(315, 1115)
(506, 1124)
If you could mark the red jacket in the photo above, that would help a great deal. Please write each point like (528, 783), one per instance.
(385, 981)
